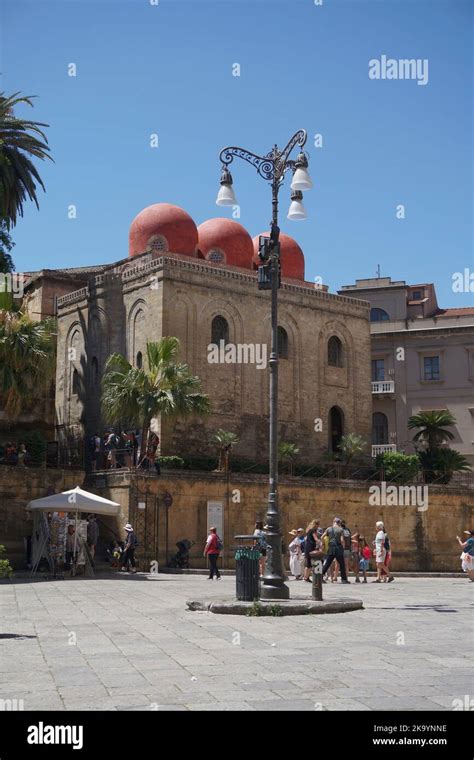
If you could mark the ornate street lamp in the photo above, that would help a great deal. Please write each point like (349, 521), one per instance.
(272, 167)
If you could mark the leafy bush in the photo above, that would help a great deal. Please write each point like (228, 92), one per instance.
(6, 571)
(172, 462)
(399, 467)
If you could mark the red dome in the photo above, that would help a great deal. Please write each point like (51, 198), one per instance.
(291, 256)
(163, 227)
(223, 241)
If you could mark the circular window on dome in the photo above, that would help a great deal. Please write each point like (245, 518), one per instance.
(216, 256)
(157, 243)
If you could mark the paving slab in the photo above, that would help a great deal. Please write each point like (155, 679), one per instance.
(139, 647)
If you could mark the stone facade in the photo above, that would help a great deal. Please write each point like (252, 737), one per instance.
(158, 295)
(422, 359)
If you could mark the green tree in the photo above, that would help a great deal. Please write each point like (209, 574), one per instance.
(287, 453)
(163, 387)
(351, 446)
(431, 428)
(27, 354)
(20, 140)
(6, 245)
(225, 440)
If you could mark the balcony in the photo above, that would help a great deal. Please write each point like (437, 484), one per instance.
(383, 448)
(383, 386)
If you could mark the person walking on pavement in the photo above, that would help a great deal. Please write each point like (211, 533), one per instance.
(309, 546)
(212, 551)
(128, 556)
(382, 545)
(336, 549)
(467, 556)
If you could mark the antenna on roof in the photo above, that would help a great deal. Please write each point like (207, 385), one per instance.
(378, 271)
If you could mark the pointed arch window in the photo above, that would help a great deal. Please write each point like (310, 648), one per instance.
(75, 382)
(219, 330)
(334, 352)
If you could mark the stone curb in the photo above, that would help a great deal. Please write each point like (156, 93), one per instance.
(287, 607)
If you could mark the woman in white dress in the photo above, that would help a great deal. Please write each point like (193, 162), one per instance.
(295, 555)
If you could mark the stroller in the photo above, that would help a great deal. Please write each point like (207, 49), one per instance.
(181, 558)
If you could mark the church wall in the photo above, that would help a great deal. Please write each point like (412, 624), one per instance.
(239, 391)
(182, 298)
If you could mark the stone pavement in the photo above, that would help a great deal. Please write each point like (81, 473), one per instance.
(128, 643)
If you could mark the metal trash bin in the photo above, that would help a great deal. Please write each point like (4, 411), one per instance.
(247, 570)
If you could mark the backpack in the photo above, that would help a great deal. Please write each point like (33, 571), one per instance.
(386, 543)
(220, 544)
(347, 538)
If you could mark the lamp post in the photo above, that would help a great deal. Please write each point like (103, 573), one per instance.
(272, 167)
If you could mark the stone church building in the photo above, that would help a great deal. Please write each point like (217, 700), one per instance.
(200, 285)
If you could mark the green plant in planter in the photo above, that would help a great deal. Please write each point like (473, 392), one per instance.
(6, 570)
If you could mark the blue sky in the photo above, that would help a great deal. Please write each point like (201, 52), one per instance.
(167, 69)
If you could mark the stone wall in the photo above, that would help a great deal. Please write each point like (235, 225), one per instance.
(422, 540)
(18, 486)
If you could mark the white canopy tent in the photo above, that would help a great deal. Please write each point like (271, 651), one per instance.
(75, 500)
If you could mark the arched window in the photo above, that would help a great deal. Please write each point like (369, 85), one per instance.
(379, 315)
(219, 330)
(94, 371)
(282, 343)
(157, 243)
(139, 360)
(334, 352)
(336, 428)
(216, 256)
(75, 382)
(379, 429)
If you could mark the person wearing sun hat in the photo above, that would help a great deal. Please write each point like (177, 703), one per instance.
(128, 556)
(467, 556)
(294, 548)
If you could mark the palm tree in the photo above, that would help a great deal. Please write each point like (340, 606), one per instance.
(225, 440)
(287, 452)
(440, 465)
(432, 428)
(165, 387)
(27, 353)
(19, 140)
(351, 445)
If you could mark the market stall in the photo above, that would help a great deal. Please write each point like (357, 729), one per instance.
(57, 527)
